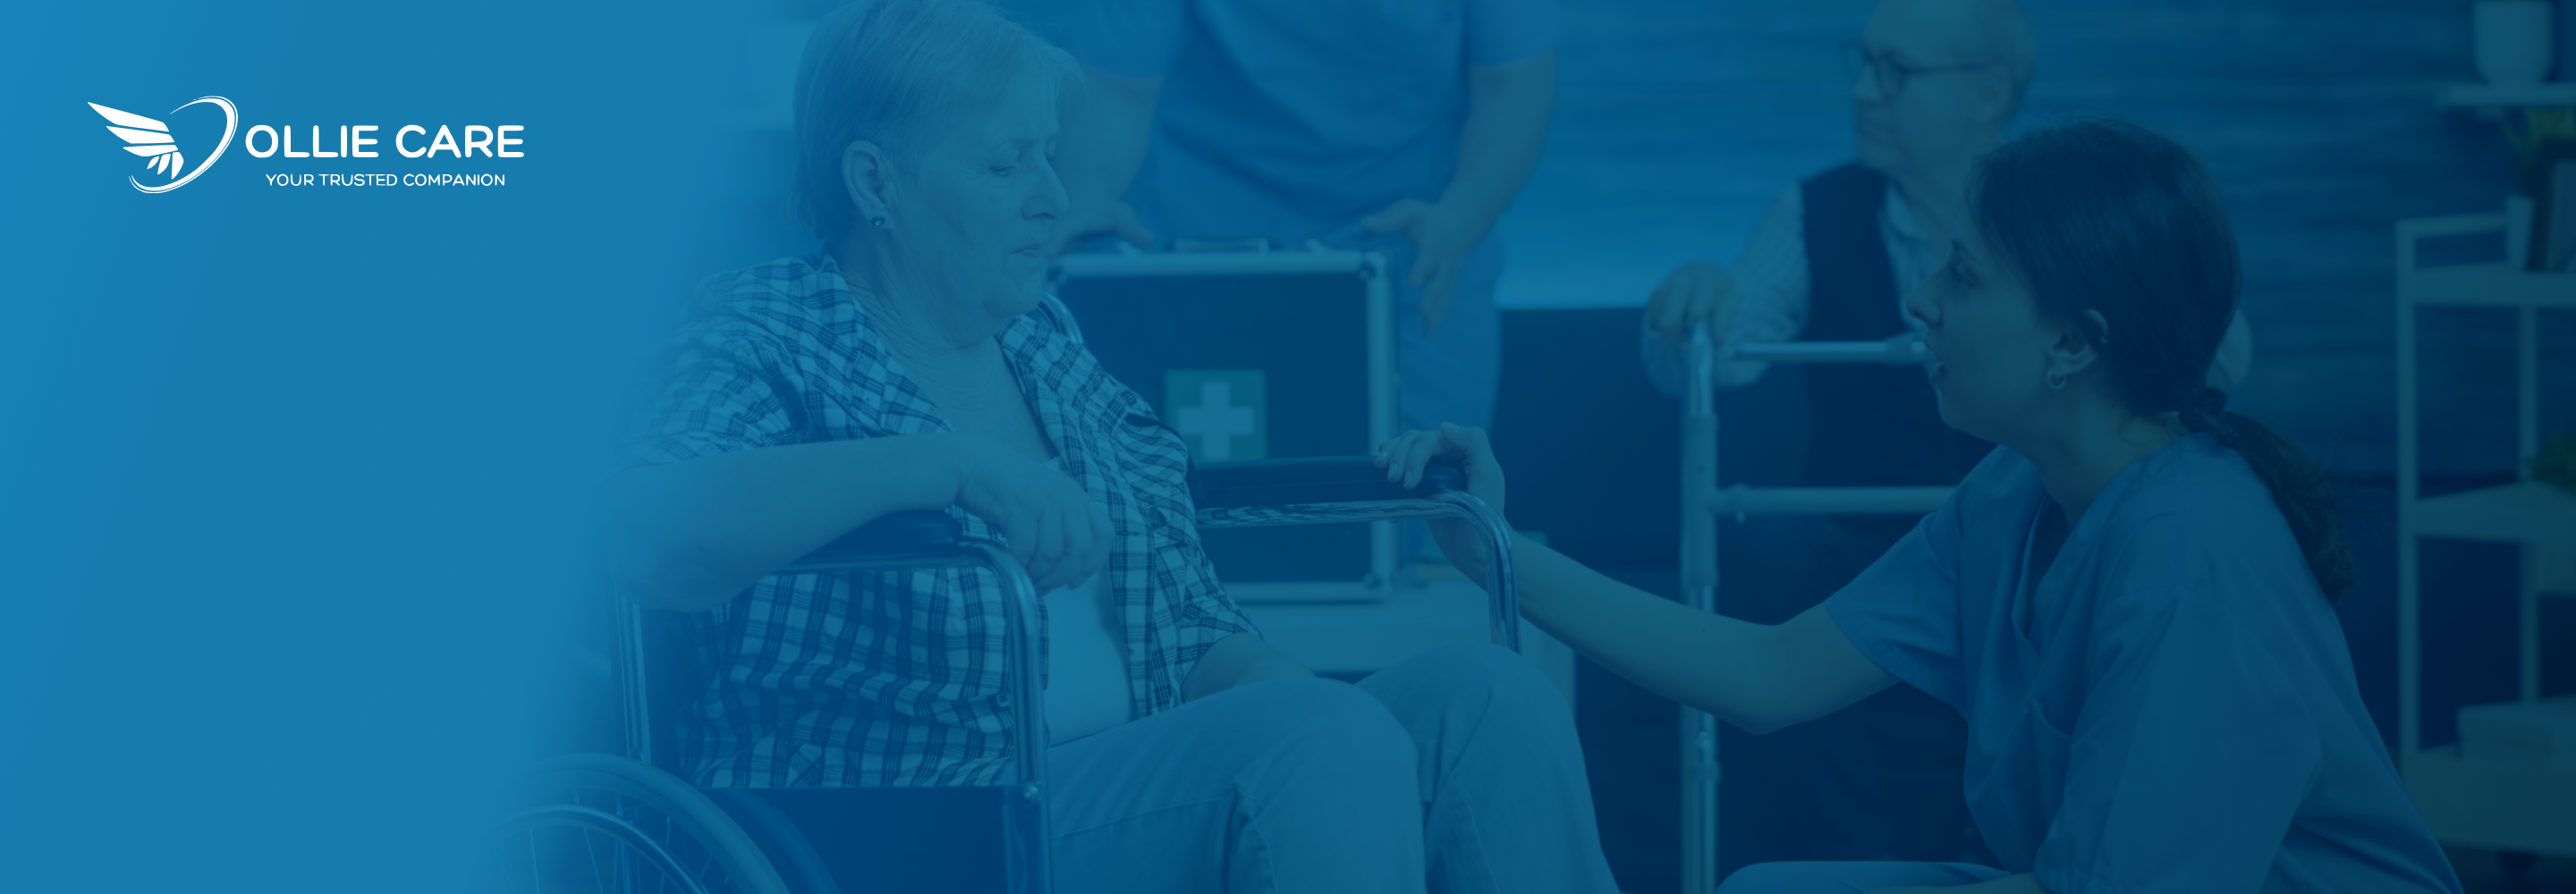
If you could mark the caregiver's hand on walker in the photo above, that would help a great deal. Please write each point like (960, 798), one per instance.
(1757, 676)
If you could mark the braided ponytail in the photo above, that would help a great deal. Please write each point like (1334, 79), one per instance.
(2107, 217)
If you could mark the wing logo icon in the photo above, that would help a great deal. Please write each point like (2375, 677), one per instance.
(151, 139)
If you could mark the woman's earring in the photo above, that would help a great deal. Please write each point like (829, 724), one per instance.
(2056, 380)
(877, 221)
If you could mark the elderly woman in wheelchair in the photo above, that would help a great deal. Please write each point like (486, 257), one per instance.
(915, 363)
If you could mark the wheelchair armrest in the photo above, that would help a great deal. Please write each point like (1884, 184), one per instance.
(907, 533)
(1324, 479)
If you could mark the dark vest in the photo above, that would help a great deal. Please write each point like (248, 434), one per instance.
(1871, 424)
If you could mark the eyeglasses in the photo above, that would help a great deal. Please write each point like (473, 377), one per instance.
(1857, 60)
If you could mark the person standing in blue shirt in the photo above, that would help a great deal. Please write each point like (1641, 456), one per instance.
(1404, 126)
(2127, 600)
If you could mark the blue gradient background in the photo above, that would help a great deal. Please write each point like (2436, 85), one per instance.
(294, 477)
(291, 565)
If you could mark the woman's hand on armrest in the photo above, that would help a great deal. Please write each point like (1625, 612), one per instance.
(691, 534)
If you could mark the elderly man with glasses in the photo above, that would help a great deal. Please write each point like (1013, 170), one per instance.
(1935, 83)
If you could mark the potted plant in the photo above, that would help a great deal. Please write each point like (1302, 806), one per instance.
(2543, 137)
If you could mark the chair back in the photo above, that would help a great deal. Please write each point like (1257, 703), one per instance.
(658, 675)
(835, 840)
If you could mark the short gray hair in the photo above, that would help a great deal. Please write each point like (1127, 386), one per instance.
(882, 70)
(2003, 32)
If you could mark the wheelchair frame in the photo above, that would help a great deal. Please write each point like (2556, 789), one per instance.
(748, 831)
(1503, 610)
(1704, 501)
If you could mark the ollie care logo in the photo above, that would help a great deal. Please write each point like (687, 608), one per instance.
(152, 140)
(344, 146)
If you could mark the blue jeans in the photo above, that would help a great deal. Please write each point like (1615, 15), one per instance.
(1451, 375)
(1455, 771)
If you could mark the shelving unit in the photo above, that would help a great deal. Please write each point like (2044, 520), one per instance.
(2498, 97)
(2503, 806)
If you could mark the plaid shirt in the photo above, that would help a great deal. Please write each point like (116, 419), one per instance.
(896, 678)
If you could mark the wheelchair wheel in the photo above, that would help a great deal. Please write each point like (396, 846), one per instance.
(603, 824)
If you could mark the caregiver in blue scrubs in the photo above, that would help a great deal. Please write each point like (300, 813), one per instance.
(2128, 599)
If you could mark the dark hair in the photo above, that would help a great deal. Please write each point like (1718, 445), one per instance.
(2108, 217)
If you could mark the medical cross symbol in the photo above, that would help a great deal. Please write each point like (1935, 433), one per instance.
(1216, 421)
(1218, 411)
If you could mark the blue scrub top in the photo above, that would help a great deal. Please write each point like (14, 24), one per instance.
(1294, 120)
(2182, 715)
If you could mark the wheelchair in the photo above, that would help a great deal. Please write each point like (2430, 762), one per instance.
(626, 824)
